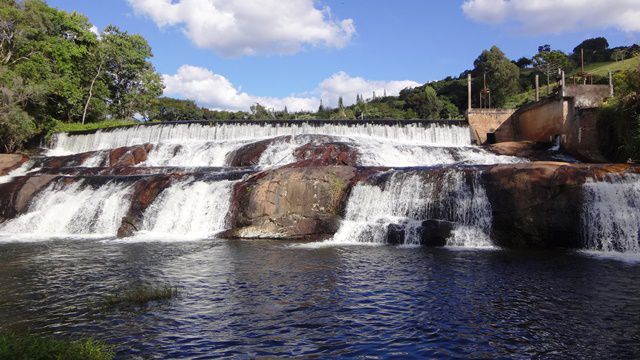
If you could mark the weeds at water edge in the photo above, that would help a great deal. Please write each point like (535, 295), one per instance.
(25, 346)
(140, 295)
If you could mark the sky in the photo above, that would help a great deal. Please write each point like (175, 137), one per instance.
(230, 54)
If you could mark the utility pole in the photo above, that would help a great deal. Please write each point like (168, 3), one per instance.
(469, 92)
(611, 83)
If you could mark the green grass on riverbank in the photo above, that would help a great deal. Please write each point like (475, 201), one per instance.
(31, 347)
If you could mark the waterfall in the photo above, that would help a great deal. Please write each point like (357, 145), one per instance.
(611, 214)
(73, 209)
(412, 133)
(407, 199)
(193, 209)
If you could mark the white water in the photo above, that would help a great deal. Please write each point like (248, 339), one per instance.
(611, 214)
(425, 134)
(407, 199)
(24, 169)
(189, 209)
(76, 209)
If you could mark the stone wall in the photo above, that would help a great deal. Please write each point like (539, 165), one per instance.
(587, 96)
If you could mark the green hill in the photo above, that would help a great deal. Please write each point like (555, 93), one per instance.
(602, 69)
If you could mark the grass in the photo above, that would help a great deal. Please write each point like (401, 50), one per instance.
(602, 69)
(140, 295)
(70, 127)
(31, 347)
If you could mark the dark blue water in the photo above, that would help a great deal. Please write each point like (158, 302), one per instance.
(245, 299)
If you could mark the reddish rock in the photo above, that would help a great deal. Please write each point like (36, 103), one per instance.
(16, 195)
(539, 204)
(10, 162)
(145, 192)
(290, 203)
(129, 156)
(249, 155)
(325, 154)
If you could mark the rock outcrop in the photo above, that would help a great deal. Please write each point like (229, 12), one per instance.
(119, 157)
(16, 195)
(290, 202)
(249, 155)
(10, 162)
(333, 153)
(539, 204)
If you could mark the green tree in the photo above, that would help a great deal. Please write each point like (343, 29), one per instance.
(595, 50)
(550, 62)
(132, 81)
(502, 74)
(424, 101)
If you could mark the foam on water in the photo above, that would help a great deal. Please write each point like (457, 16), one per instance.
(188, 210)
(72, 209)
(407, 199)
(412, 133)
(611, 214)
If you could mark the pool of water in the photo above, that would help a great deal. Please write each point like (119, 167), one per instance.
(248, 299)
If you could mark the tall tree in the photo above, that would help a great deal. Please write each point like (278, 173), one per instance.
(550, 62)
(132, 81)
(502, 74)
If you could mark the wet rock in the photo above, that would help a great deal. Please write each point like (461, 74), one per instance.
(539, 204)
(529, 150)
(290, 202)
(145, 192)
(249, 155)
(129, 156)
(324, 154)
(16, 195)
(10, 162)
(432, 233)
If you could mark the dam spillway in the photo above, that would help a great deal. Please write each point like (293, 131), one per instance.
(397, 182)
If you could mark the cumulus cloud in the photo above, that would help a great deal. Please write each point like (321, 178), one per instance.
(250, 27)
(554, 16)
(217, 92)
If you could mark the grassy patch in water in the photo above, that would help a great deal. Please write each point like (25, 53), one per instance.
(18, 347)
(141, 295)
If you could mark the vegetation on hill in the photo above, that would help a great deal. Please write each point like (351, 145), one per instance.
(56, 74)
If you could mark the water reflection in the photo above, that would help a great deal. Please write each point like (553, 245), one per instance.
(252, 299)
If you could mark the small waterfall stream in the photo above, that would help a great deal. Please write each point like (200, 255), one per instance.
(407, 199)
(611, 214)
(73, 209)
(189, 208)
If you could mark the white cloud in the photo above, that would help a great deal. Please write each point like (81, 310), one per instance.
(217, 92)
(249, 27)
(94, 29)
(554, 16)
(347, 87)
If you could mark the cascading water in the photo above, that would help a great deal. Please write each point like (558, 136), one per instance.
(189, 208)
(72, 209)
(412, 133)
(611, 214)
(406, 199)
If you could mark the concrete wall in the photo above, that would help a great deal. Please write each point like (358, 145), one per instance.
(541, 121)
(484, 121)
(587, 96)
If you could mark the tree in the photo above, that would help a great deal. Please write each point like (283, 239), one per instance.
(524, 62)
(424, 102)
(133, 82)
(595, 50)
(550, 62)
(340, 103)
(259, 112)
(16, 125)
(502, 74)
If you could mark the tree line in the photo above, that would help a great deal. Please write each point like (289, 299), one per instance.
(54, 69)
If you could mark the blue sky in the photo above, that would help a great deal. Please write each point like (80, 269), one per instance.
(356, 46)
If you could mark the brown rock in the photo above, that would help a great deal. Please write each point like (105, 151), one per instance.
(145, 192)
(249, 155)
(10, 162)
(324, 154)
(290, 202)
